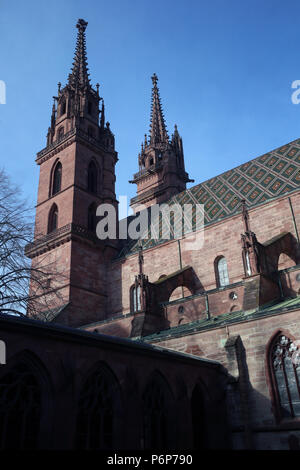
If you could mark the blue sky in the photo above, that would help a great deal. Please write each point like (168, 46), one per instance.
(225, 71)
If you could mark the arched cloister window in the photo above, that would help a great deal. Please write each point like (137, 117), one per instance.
(92, 219)
(98, 410)
(56, 180)
(135, 298)
(20, 408)
(156, 401)
(285, 376)
(92, 177)
(198, 418)
(222, 277)
(53, 218)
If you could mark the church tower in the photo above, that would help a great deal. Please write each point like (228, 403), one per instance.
(161, 162)
(77, 174)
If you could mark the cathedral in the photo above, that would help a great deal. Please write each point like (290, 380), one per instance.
(155, 342)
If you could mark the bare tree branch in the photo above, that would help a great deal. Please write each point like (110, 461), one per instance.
(24, 289)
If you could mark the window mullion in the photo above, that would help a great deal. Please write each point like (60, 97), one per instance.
(287, 388)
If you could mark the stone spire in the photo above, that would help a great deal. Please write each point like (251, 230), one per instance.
(79, 77)
(161, 163)
(158, 131)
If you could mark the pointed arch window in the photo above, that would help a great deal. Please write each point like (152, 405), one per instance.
(92, 219)
(60, 133)
(62, 106)
(248, 266)
(57, 174)
(91, 131)
(97, 411)
(20, 408)
(284, 364)
(92, 177)
(222, 272)
(53, 219)
(135, 298)
(155, 414)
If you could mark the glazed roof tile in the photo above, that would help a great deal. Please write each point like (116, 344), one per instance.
(264, 178)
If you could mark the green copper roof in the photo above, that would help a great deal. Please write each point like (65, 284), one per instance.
(269, 176)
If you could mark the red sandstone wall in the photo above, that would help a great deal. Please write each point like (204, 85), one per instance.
(120, 327)
(222, 238)
(63, 200)
(55, 265)
(255, 336)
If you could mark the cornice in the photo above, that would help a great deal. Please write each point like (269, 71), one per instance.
(59, 237)
(74, 135)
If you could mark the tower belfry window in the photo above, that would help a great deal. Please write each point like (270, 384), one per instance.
(56, 185)
(63, 106)
(53, 219)
(60, 133)
(92, 177)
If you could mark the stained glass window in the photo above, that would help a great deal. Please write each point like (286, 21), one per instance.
(223, 277)
(286, 371)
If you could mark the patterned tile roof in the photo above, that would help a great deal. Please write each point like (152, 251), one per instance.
(269, 176)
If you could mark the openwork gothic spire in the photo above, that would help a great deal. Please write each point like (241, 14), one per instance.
(79, 77)
(158, 132)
